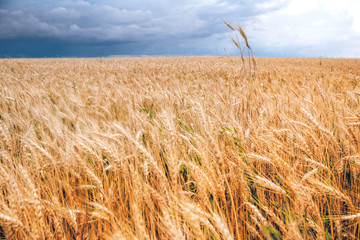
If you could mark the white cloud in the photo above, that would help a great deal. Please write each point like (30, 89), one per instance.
(60, 14)
(323, 27)
(74, 28)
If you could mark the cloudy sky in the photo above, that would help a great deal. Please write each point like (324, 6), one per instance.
(79, 28)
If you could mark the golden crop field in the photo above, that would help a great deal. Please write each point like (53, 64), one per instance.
(179, 148)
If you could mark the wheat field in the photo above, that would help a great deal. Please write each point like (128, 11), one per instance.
(179, 148)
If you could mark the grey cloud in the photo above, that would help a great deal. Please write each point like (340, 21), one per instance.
(107, 15)
(98, 21)
(92, 23)
(19, 23)
(149, 25)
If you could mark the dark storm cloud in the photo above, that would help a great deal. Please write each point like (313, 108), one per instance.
(80, 21)
(4, 3)
(111, 20)
(169, 27)
(143, 23)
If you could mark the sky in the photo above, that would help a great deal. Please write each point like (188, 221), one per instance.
(102, 28)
